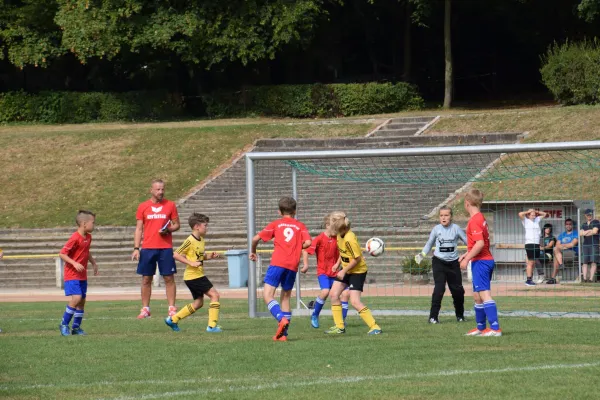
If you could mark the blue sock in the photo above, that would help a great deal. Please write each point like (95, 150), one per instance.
(319, 302)
(344, 309)
(288, 315)
(78, 318)
(66, 319)
(275, 310)
(492, 314)
(480, 316)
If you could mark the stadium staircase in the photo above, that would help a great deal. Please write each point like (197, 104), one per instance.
(224, 199)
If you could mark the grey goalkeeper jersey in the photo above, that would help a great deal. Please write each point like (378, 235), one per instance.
(446, 241)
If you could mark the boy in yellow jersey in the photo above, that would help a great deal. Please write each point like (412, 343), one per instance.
(191, 253)
(352, 275)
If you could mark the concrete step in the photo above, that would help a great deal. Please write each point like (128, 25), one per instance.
(423, 120)
(403, 125)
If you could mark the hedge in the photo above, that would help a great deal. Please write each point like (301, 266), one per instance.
(316, 100)
(571, 71)
(78, 107)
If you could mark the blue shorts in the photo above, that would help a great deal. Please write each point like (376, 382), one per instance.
(276, 276)
(482, 271)
(326, 282)
(150, 257)
(78, 288)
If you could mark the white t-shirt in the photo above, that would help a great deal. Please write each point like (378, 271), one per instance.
(532, 230)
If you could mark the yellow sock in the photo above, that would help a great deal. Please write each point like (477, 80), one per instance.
(366, 315)
(184, 312)
(213, 313)
(338, 317)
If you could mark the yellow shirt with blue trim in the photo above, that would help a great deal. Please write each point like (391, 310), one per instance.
(349, 250)
(193, 249)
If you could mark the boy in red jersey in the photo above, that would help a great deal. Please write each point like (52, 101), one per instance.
(291, 237)
(157, 219)
(482, 267)
(75, 254)
(324, 246)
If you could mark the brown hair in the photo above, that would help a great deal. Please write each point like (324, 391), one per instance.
(474, 197)
(326, 221)
(339, 221)
(287, 205)
(197, 218)
(83, 215)
(447, 208)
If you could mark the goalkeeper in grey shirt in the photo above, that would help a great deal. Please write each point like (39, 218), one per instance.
(445, 265)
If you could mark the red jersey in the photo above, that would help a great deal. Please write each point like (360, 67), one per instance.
(155, 216)
(327, 252)
(77, 248)
(289, 235)
(477, 229)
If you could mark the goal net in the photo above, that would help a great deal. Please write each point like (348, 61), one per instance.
(395, 194)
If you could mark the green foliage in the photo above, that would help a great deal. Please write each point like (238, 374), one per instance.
(410, 266)
(318, 100)
(589, 9)
(571, 73)
(75, 107)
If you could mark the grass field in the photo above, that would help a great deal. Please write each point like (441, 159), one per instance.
(123, 358)
(48, 173)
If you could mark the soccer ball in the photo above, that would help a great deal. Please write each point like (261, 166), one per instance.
(375, 247)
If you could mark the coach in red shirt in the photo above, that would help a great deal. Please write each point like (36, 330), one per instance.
(157, 219)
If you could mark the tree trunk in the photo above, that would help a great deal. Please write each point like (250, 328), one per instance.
(448, 79)
(407, 44)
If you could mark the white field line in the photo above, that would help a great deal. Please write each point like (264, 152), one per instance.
(284, 384)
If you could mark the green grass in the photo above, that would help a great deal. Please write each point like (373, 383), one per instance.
(47, 174)
(129, 359)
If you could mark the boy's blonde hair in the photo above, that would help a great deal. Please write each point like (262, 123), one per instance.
(339, 221)
(83, 216)
(326, 221)
(474, 197)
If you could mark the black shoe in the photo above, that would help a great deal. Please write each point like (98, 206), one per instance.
(460, 319)
(551, 281)
(311, 305)
(433, 321)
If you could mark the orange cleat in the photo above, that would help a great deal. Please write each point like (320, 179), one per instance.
(172, 311)
(144, 313)
(281, 339)
(474, 332)
(283, 324)
(492, 332)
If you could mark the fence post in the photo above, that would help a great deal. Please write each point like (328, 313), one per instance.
(156, 279)
(60, 267)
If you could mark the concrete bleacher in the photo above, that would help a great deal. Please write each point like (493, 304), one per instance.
(399, 220)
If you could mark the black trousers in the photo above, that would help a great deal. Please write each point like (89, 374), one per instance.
(444, 271)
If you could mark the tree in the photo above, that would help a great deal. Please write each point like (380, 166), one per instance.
(206, 32)
(589, 9)
(448, 75)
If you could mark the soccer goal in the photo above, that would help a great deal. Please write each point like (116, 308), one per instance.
(395, 194)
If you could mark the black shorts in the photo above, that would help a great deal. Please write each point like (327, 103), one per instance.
(354, 281)
(533, 251)
(591, 254)
(199, 286)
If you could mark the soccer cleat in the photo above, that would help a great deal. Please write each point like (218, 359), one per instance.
(172, 311)
(551, 281)
(529, 282)
(376, 330)
(171, 324)
(334, 330)
(78, 331)
(460, 319)
(492, 332)
(281, 339)
(64, 330)
(434, 321)
(144, 313)
(314, 321)
(474, 332)
(216, 329)
(283, 324)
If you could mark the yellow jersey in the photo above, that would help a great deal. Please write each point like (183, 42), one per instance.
(349, 250)
(193, 249)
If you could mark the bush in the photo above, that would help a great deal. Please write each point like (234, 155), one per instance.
(317, 100)
(76, 107)
(571, 71)
(410, 266)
